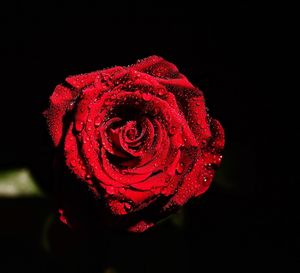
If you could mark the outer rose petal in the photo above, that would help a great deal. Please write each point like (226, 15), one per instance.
(200, 177)
(59, 103)
(141, 226)
(157, 67)
(82, 80)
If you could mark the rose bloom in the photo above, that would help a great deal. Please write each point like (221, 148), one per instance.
(137, 139)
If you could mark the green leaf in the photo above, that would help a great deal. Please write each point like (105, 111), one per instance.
(178, 219)
(18, 183)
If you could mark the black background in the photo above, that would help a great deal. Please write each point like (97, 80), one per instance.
(246, 222)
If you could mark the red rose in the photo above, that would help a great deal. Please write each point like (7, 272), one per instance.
(138, 137)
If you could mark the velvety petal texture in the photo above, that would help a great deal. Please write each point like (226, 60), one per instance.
(138, 137)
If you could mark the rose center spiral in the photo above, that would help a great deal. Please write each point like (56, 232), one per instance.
(131, 133)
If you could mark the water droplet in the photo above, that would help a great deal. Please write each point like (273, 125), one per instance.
(97, 121)
(167, 117)
(155, 110)
(198, 103)
(127, 206)
(121, 190)
(73, 163)
(107, 102)
(205, 181)
(172, 130)
(180, 168)
(165, 191)
(79, 126)
(156, 190)
(161, 91)
(146, 96)
(110, 190)
(88, 176)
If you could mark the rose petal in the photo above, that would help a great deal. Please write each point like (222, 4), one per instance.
(157, 67)
(115, 174)
(59, 103)
(109, 145)
(82, 80)
(73, 159)
(200, 177)
(91, 157)
(138, 197)
(141, 226)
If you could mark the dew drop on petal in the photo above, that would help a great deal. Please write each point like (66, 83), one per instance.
(73, 163)
(205, 180)
(97, 121)
(165, 191)
(172, 130)
(156, 190)
(121, 190)
(127, 206)
(62, 218)
(155, 110)
(146, 97)
(179, 168)
(161, 91)
(110, 190)
(79, 126)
